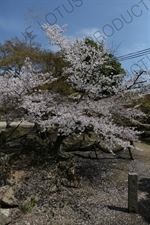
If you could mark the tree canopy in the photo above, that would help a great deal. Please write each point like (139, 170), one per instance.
(14, 52)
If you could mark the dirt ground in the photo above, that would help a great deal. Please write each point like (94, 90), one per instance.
(101, 199)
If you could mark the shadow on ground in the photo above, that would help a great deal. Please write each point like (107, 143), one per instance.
(144, 203)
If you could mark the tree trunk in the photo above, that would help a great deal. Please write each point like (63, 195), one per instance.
(129, 148)
(57, 145)
(8, 122)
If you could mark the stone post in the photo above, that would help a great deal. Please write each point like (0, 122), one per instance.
(133, 192)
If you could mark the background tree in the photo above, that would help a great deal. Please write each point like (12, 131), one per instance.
(13, 53)
(115, 65)
(109, 68)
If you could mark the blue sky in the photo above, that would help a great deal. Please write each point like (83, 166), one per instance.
(124, 23)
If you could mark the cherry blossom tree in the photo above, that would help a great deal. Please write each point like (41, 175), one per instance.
(89, 107)
(13, 90)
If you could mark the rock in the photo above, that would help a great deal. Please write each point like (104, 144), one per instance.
(6, 212)
(8, 202)
(7, 198)
(80, 141)
(86, 142)
(103, 147)
(3, 190)
(4, 216)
